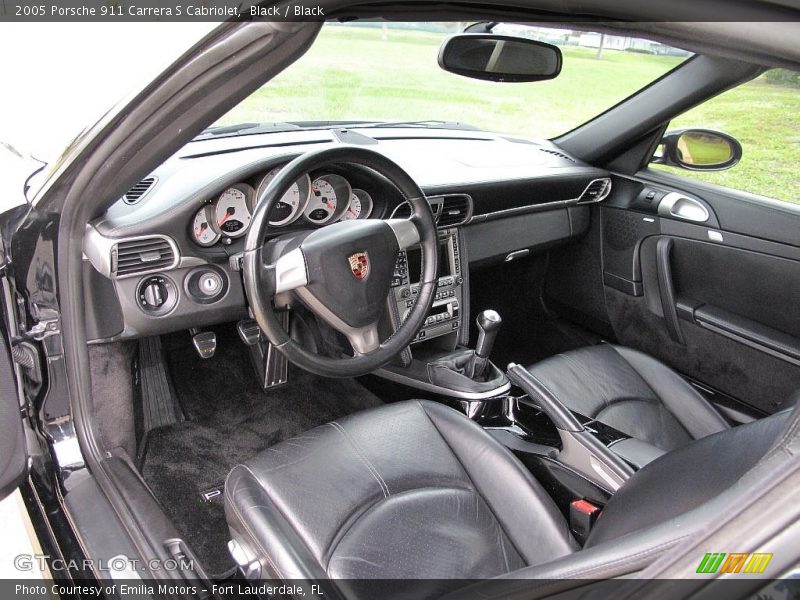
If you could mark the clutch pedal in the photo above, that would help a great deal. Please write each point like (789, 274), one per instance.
(205, 342)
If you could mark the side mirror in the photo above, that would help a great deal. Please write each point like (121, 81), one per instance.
(499, 57)
(698, 150)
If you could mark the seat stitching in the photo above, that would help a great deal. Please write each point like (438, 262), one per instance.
(783, 442)
(469, 479)
(342, 533)
(370, 467)
(686, 388)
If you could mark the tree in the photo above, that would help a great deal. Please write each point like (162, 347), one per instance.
(600, 47)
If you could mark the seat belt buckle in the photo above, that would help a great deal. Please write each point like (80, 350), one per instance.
(582, 516)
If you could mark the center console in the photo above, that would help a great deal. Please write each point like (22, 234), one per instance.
(438, 360)
(446, 314)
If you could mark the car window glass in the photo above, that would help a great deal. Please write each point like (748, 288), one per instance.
(764, 116)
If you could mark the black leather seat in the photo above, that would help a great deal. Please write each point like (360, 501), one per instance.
(631, 392)
(416, 490)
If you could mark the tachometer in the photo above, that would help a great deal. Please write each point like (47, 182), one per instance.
(291, 205)
(204, 227)
(329, 197)
(233, 211)
(360, 206)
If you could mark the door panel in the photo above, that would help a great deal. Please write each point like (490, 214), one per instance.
(721, 307)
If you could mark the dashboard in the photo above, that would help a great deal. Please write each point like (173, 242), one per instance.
(167, 255)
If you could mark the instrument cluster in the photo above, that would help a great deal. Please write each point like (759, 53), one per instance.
(325, 199)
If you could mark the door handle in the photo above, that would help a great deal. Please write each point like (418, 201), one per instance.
(666, 289)
(683, 207)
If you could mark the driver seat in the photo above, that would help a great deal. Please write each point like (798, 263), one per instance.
(417, 491)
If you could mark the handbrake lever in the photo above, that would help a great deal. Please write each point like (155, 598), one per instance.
(580, 450)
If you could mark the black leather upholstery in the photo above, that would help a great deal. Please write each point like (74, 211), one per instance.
(417, 491)
(630, 392)
(686, 478)
(410, 490)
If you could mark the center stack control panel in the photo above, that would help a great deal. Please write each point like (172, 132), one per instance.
(445, 314)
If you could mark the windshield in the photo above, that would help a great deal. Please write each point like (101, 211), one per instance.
(389, 72)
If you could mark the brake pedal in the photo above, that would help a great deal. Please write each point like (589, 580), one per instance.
(205, 342)
(249, 332)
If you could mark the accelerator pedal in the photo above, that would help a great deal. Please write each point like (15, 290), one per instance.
(272, 368)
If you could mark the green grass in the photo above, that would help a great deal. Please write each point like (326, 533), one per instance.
(352, 73)
(764, 118)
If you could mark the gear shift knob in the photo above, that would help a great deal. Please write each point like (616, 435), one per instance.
(489, 323)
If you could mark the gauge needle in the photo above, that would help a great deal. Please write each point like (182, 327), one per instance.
(228, 215)
(352, 212)
(200, 231)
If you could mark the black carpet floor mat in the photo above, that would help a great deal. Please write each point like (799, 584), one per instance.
(229, 419)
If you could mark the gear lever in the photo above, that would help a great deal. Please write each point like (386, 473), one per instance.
(489, 323)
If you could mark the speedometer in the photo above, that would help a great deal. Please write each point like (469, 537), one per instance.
(330, 195)
(291, 204)
(233, 211)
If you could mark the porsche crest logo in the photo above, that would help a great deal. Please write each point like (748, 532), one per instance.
(359, 265)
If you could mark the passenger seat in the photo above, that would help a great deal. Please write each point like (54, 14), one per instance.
(631, 392)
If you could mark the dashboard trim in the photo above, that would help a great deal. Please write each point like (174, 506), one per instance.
(543, 206)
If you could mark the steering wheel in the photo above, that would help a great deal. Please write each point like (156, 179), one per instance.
(341, 272)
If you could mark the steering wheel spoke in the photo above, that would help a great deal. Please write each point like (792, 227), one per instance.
(406, 232)
(363, 339)
(290, 271)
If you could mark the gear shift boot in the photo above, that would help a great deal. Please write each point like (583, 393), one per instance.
(455, 372)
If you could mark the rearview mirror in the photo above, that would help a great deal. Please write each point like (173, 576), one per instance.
(499, 57)
(698, 150)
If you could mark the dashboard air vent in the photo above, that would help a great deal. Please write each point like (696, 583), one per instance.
(596, 191)
(558, 154)
(456, 210)
(141, 256)
(133, 195)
